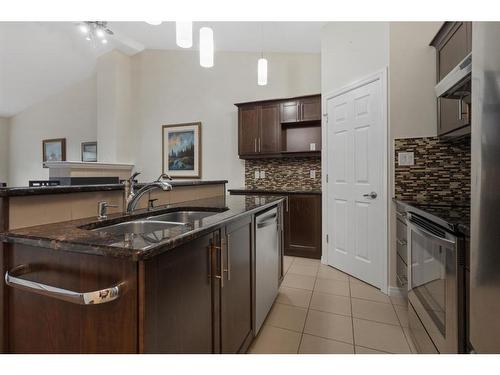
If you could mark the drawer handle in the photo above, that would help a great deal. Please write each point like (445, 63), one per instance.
(88, 298)
(401, 242)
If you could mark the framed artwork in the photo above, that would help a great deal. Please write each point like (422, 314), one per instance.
(89, 151)
(54, 149)
(181, 150)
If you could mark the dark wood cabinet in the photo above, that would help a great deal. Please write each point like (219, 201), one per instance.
(236, 288)
(41, 324)
(259, 129)
(303, 226)
(248, 129)
(178, 299)
(453, 43)
(310, 109)
(195, 298)
(281, 127)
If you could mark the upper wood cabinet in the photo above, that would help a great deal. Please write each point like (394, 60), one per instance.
(259, 129)
(453, 43)
(263, 126)
(306, 109)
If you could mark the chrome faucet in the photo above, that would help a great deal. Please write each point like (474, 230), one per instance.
(132, 197)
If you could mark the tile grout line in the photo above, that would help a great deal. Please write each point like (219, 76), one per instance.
(352, 318)
(402, 328)
(307, 312)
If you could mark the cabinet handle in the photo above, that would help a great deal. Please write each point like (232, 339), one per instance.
(221, 263)
(259, 145)
(255, 144)
(228, 248)
(87, 298)
(460, 116)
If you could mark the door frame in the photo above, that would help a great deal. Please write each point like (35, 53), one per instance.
(380, 75)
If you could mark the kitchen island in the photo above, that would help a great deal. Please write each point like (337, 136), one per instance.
(181, 287)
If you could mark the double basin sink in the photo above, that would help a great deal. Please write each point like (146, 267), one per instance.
(156, 223)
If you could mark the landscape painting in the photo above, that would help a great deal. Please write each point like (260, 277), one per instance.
(181, 150)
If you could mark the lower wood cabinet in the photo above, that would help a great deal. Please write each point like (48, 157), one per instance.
(303, 225)
(196, 298)
(236, 287)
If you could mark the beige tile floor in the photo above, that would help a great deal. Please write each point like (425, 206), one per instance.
(320, 309)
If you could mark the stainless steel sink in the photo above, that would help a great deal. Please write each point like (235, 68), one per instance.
(139, 227)
(182, 216)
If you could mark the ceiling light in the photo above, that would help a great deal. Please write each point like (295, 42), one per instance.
(100, 33)
(262, 72)
(83, 28)
(184, 34)
(104, 41)
(154, 23)
(206, 47)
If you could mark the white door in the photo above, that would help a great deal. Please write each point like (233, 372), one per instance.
(356, 200)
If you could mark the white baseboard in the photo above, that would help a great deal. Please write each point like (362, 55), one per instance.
(397, 292)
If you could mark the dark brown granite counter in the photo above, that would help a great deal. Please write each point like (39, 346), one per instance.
(78, 236)
(273, 191)
(24, 191)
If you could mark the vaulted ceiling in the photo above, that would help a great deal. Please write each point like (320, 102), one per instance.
(38, 59)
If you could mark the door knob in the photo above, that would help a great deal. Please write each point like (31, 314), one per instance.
(372, 195)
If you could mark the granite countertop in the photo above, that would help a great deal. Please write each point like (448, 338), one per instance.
(24, 191)
(453, 215)
(77, 236)
(273, 191)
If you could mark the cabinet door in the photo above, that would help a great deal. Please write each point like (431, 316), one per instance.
(43, 324)
(236, 288)
(454, 49)
(178, 300)
(449, 118)
(269, 140)
(248, 130)
(290, 111)
(303, 226)
(310, 109)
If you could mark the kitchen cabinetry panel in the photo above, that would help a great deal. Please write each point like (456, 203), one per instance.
(269, 135)
(310, 109)
(248, 130)
(43, 324)
(276, 128)
(236, 289)
(178, 300)
(453, 43)
(303, 226)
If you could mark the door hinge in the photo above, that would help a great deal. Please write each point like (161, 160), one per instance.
(327, 238)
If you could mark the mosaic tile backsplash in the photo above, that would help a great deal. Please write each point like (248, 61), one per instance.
(284, 174)
(441, 172)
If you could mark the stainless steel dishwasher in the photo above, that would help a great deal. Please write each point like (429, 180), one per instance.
(267, 263)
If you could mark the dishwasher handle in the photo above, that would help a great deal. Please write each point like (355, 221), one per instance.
(80, 298)
(267, 220)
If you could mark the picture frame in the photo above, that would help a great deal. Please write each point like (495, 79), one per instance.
(181, 150)
(89, 152)
(54, 149)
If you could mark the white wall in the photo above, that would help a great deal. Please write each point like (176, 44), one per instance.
(71, 114)
(170, 87)
(413, 111)
(351, 51)
(4, 149)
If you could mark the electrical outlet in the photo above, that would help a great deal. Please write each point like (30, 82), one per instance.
(257, 175)
(312, 174)
(262, 174)
(406, 158)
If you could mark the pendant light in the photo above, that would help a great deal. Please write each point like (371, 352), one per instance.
(206, 47)
(261, 63)
(184, 34)
(154, 23)
(262, 71)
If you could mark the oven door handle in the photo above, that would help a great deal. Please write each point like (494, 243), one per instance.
(426, 233)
